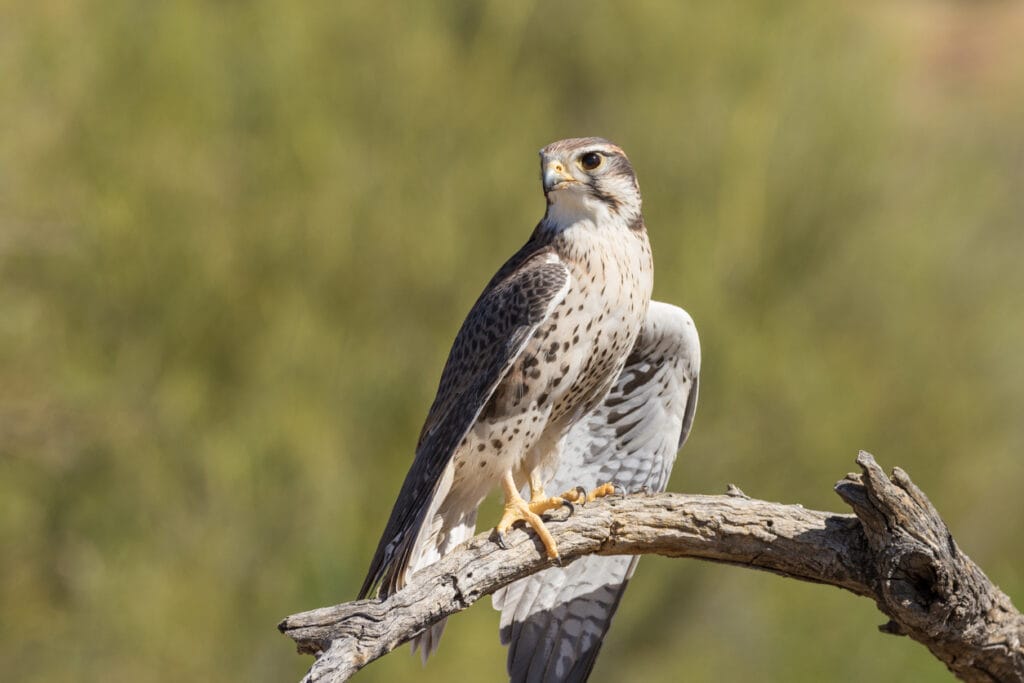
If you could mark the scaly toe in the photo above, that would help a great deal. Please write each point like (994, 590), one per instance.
(520, 510)
(601, 491)
(542, 505)
(576, 495)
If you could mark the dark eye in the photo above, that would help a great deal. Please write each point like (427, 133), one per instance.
(590, 161)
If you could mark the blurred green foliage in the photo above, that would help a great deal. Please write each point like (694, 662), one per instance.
(236, 240)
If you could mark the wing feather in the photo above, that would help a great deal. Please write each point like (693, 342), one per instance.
(516, 301)
(554, 621)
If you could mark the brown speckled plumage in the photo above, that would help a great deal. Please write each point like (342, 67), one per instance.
(541, 347)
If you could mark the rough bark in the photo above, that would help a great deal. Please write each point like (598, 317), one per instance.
(894, 549)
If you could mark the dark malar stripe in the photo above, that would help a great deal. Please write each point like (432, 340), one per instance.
(608, 199)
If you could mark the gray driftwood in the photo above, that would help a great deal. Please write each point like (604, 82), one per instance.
(895, 550)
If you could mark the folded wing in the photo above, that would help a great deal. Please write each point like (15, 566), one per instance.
(518, 299)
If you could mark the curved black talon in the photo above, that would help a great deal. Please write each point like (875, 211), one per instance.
(568, 504)
(619, 487)
(582, 493)
(500, 540)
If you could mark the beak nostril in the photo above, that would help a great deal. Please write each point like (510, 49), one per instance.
(555, 173)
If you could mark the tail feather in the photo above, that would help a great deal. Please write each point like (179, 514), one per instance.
(428, 641)
(447, 533)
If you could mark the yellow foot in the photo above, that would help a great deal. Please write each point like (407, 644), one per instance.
(580, 495)
(518, 509)
(540, 504)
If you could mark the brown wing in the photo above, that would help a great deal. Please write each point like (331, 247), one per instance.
(499, 325)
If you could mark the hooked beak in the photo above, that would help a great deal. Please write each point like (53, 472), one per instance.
(556, 176)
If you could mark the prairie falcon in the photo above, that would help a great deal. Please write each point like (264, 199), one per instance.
(540, 349)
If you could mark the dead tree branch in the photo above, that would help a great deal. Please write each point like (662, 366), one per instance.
(895, 549)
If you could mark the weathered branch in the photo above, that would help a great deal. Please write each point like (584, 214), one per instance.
(895, 550)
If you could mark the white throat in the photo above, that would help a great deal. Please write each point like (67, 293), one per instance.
(570, 207)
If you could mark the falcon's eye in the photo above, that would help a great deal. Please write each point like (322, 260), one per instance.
(590, 161)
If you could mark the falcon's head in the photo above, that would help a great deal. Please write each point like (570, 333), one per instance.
(589, 178)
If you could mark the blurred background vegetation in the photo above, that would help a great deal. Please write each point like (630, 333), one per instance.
(237, 239)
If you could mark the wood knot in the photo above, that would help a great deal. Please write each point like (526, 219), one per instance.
(615, 528)
(914, 583)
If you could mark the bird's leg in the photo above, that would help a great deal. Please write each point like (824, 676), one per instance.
(539, 501)
(580, 495)
(517, 509)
